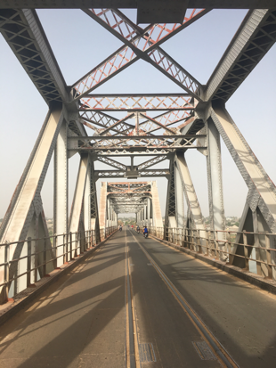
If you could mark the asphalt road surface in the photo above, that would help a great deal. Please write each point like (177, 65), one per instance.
(139, 303)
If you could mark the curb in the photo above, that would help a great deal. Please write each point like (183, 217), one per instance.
(256, 280)
(26, 296)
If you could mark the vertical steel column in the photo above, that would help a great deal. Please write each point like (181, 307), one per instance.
(170, 220)
(156, 209)
(108, 213)
(190, 194)
(94, 205)
(214, 172)
(149, 212)
(19, 215)
(145, 215)
(61, 191)
(179, 199)
(87, 199)
(215, 189)
(102, 214)
(77, 205)
(255, 177)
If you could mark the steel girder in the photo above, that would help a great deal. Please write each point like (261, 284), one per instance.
(136, 102)
(123, 174)
(24, 33)
(132, 4)
(252, 41)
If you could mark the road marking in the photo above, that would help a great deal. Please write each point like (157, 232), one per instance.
(133, 360)
(222, 355)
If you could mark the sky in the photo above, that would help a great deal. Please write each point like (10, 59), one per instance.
(79, 44)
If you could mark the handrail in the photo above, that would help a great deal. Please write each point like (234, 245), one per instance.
(223, 245)
(40, 256)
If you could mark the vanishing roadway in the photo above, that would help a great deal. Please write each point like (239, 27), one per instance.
(138, 303)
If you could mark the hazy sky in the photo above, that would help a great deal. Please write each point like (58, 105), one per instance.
(80, 44)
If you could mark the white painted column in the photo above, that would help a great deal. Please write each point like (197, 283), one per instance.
(61, 190)
(78, 201)
(87, 200)
(179, 199)
(102, 211)
(214, 172)
(191, 197)
(149, 212)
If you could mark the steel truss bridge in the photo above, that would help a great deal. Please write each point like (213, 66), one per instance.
(162, 126)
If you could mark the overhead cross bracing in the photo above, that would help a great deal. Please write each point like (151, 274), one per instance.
(101, 128)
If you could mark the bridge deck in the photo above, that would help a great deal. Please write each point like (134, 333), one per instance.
(81, 321)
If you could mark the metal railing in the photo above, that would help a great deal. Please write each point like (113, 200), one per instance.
(38, 257)
(250, 251)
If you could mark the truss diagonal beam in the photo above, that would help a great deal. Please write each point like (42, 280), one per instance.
(254, 38)
(151, 162)
(145, 45)
(158, 124)
(117, 123)
(105, 121)
(113, 163)
(24, 33)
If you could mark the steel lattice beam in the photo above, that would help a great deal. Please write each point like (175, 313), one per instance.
(137, 102)
(254, 38)
(123, 173)
(24, 33)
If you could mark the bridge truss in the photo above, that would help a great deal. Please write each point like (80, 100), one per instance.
(140, 198)
(162, 126)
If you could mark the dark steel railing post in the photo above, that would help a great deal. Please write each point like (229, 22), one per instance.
(7, 271)
(29, 240)
(44, 257)
(268, 256)
(245, 243)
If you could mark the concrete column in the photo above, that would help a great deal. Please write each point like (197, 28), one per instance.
(61, 190)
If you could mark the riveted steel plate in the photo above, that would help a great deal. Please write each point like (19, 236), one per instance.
(203, 350)
(146, 353)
